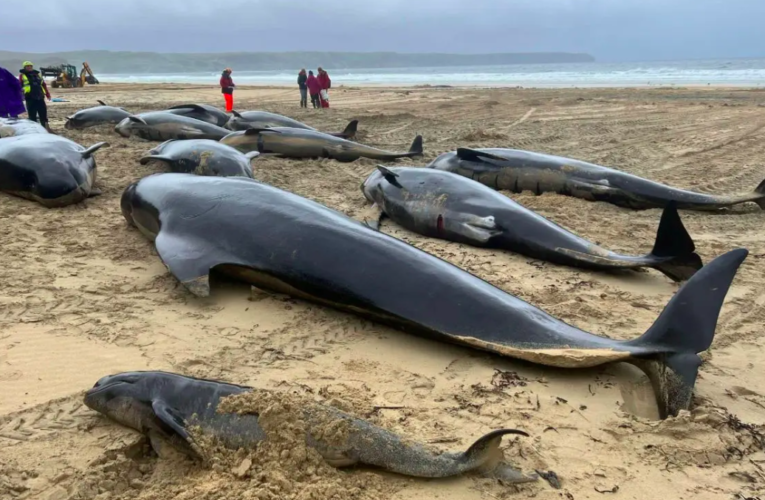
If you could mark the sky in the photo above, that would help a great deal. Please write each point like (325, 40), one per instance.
(610, 30)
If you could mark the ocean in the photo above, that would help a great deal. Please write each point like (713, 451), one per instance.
(737, 72)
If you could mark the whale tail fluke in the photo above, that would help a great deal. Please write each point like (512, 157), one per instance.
(673, 240)
(761, 190)
(416, 149)
(685, 328)
(350, 130)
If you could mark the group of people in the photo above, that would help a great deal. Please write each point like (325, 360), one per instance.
(28, 87)
(315, 86)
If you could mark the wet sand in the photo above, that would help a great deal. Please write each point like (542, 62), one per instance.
(84, 295)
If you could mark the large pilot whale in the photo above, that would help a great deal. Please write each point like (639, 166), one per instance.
(283, 242)
(443, 205)
(517, 170)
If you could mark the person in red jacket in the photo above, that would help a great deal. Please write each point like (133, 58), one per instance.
(227, 89)
(326, 84)
(314, 88)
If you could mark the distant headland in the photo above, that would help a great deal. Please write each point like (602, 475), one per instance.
(163, 63)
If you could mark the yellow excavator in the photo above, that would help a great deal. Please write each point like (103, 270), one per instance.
(67, 78)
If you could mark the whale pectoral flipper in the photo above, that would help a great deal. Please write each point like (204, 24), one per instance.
(170, 417)
(172, 428)
(95, 192)
(189, 259)
(92, 149)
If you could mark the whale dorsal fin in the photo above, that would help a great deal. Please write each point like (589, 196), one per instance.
(389, 175)
(475, 155)
(195, 107)
(102, 103)
(236, 113)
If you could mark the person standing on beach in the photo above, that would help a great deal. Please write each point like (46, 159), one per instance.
(326, 84)
(302, 78)
(35, 93)
(11, 95)
(314, 88)
(227, 89)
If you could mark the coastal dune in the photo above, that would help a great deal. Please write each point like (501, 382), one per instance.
(83, 295)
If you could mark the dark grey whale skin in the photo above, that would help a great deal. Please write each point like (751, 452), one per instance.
(203, 112)
(287, 142)
(163, 126)
(16, 127)
(264, 119)
(202, 157)
(48, 169)
(517, 170)
(164, 405)
(444, 205)
(283, 242)
(97, 115)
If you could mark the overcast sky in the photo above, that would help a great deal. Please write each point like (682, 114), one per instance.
(610, 30)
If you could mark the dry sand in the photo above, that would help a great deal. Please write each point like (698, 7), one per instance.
(83, 295)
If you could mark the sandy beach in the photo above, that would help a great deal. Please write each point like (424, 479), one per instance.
(83, 295)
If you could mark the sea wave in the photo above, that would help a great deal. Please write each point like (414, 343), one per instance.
(750, 72)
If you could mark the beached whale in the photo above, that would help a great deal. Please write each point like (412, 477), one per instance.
(97, 115)
(516, 170)
(164, 406)
(14, 127)
(202, 157)
(292, 245)
(289, 142)
(163, 126)
(443, 205)
(203, 112)
(264, 119)
(48, 169)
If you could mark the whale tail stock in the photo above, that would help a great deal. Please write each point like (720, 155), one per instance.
(673, 240)
(685, 328)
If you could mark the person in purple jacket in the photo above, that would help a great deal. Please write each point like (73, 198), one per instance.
(11, 98)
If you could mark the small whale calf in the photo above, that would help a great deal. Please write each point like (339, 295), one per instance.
(443, 205)
(164, 406)
(517, 170)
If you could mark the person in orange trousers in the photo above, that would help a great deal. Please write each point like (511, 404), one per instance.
(227, 89)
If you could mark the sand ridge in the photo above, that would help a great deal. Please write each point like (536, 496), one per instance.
(84, 295)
